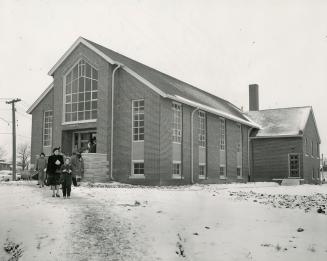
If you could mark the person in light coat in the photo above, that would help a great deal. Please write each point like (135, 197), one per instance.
(41, 167)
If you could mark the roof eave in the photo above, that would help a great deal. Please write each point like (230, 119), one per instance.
(213, 111)
(277, 136)
(41, 97)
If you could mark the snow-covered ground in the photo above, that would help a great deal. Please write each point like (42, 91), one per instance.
(255, 221)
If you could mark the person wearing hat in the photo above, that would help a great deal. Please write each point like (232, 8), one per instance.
(41, 166)
(55, 161)
(77, 164)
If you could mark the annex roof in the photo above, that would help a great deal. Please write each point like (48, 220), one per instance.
(163, 84)
(282, 122)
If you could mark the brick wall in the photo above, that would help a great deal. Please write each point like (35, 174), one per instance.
(270, 157)
(311, 162)
(37, 124)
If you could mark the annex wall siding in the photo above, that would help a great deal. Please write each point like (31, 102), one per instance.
(186, 143)
(245, 153)
(213, 140)
(127, 89)
(37, 125)
(232, 135)
(311, 161)
(270, 157)
(104, 83)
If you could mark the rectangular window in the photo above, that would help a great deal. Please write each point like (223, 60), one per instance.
(47, 129)
(239, 172)
(294, 165)
(202, 128)
(222, 134)
(202, 171)
(177, 122)
(138, 168)
(239, 143)
(222, 171)
(138, 120)
(177, 172)
(312, 148)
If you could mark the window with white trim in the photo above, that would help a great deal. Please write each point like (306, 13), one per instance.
(177, 171)
(222, 171)
(177, 122)
(222, 141)
(81, 93)
(294, 165)
(202, 128)
(138, 168)
(138, 120)
(239, 172)
(202, 171)
(47, 129)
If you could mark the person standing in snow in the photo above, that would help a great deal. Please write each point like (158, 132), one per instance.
(77, 164)
(41, 166)
(66, 178)
(55, 162)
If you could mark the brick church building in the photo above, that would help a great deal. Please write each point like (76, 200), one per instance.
(149, 127)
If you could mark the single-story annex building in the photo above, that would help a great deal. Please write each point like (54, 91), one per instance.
(287, 144)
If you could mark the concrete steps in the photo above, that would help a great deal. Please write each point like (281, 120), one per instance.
(96, 167)
(291, 182)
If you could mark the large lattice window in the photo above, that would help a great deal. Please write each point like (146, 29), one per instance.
(202, 128)
(138, 120)
(47, 129)
(177, 122)
(81, 93)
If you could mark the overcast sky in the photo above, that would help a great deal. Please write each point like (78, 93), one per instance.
(219, 46)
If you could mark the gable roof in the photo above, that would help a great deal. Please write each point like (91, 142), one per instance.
(163, 84)
(41, 97)
(282, 122)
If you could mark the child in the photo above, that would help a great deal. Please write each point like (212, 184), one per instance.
(66, 178)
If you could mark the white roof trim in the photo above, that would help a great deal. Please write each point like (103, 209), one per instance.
(41, 97)
(314, 121)
(146, 82)
(71, 49)
(214, 111)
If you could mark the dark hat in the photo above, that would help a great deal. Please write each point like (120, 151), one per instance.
(55, 150)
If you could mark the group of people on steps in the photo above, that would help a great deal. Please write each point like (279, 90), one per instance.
(58, 170)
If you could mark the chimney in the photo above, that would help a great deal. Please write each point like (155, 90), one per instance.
(253, 97)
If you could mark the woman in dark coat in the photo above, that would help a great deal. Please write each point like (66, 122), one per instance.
(55, 161)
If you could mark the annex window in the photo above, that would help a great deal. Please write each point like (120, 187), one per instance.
(202, 171)
(294, 165)
(47, 129)
(138, 168)
(202, 128)
(81, 93)
(222, 171)
(138, 120)
(239, 172)
(222, 134)
(177, 171)
(177, 122)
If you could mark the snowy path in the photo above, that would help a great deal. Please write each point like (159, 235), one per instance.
(186, 223)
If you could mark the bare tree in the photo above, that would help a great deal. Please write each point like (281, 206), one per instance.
(2, 153)
(23, 155)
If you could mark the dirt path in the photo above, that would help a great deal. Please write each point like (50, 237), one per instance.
(46, 228)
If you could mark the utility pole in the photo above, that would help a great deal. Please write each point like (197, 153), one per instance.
(12, 102)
